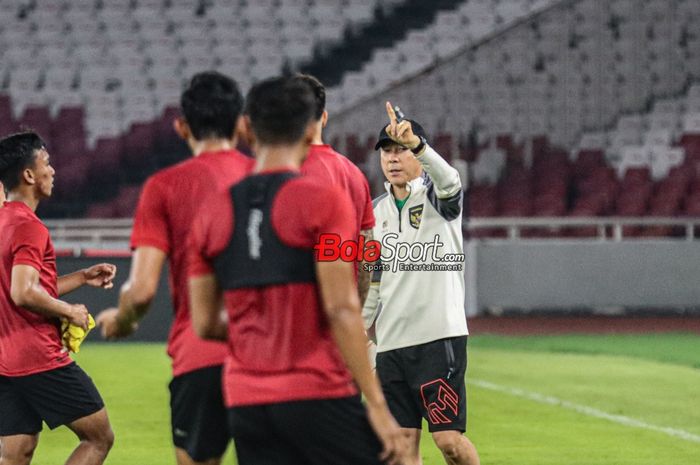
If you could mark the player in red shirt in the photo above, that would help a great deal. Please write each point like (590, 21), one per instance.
(38, 379)
(294, 329)
(327, 165)
(211, 106)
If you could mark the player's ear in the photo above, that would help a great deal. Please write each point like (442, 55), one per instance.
(182, 128)
(324, 119)
(240, 132)
(245, 130)
(28, 176)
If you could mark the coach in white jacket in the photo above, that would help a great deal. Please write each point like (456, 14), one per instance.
(415, 306)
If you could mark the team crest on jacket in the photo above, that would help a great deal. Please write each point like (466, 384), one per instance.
(414, 215)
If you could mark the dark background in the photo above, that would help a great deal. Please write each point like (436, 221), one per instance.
(154, 326)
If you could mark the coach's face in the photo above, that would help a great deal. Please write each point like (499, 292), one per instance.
(399, 164)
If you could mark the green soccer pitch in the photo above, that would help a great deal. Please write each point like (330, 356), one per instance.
(534, 400)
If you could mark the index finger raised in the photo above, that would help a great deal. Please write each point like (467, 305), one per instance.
(392, 114)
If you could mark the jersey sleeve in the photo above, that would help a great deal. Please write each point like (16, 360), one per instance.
(151, 219)
(211, 232)
(29, 247)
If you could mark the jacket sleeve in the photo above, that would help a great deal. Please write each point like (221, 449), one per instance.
(444, 185)
(445, 178)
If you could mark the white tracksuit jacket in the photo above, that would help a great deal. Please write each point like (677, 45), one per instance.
(411, 307)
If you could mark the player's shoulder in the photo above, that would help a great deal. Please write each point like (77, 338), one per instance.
(308, 188)
(329, 153)
(233, 157)
(326, 154)
(167, 174)
(26, 224)
(205, 163)
(339, 162)
(20, 215)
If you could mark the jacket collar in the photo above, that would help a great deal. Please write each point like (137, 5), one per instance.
(413, 186)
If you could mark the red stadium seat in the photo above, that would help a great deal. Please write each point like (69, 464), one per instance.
(101, 210)
(37, 119)
(138, 147)
(126, 201)
(105, 159)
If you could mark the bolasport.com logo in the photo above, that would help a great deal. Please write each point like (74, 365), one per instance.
(389, 254)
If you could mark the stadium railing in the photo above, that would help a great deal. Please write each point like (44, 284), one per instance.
(91, 237)
(105, 236)
(607, 228)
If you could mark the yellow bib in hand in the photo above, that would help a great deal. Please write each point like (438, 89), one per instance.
(73, 335)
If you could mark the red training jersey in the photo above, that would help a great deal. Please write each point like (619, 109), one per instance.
(168, 204)
(29, 342)
(326, 164)
(280, 344)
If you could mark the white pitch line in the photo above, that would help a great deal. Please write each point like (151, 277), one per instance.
(585, 410)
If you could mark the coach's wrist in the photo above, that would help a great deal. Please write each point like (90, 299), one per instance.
(413, 143)
(419, 148)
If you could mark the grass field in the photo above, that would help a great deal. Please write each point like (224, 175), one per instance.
(588, 400)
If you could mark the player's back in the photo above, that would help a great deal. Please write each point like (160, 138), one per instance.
(169, 202)
(186, 185)
(325, 164)
(259, 241)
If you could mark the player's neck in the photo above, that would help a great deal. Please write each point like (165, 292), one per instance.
(26, 198)
(199, 147)
(318, 135)
(280, 157)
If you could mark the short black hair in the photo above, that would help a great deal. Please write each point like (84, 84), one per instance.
(280, 109)
(319, 92)
(17, 152)
(211, 104)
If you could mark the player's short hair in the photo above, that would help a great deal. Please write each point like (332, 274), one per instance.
(211, 104)
(280, 109)
(319, 91)
(17, 152)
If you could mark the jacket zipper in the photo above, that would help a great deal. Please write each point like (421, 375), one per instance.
(450, 358)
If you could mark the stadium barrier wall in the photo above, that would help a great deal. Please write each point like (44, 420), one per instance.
(586, 275)
(155, 325)
(501, 275)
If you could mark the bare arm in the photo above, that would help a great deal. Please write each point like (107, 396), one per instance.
(97, 276)
(136, 294)
(363, 275)
(26, 292)
(205, 304)
(370, 310)
(70, 282)
(342, 307)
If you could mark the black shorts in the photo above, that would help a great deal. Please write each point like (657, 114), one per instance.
(427, 381)
(198, 414)
(57, 397)
(309, 432)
